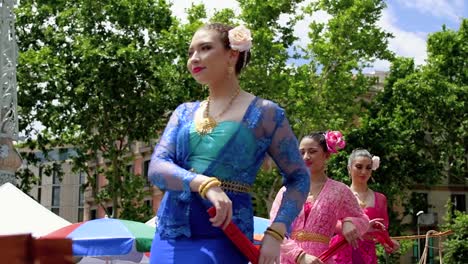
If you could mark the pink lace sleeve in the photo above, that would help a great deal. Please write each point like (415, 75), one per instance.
(382, 205)
(289, 249)
(350, 210)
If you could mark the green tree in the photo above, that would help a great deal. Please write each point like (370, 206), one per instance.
(328, 87)
(94, 74)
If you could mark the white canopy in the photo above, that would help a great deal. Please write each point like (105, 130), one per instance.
(20, 214)
(152, 221)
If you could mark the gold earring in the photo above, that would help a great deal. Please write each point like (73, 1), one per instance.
(230, 71)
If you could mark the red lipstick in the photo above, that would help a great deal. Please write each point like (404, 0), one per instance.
(197, 69)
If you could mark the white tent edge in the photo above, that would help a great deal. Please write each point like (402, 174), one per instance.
(21, 214)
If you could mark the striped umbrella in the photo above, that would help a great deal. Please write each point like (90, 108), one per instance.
(107, 237)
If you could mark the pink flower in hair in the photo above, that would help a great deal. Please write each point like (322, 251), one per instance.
(375, 162)
(335, 141)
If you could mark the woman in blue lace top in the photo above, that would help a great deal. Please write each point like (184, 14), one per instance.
(210, 153)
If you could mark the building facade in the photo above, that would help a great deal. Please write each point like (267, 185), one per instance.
(139, 166)
(59, 192)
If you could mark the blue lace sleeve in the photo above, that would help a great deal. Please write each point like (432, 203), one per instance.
(163, 170)
(284, 149)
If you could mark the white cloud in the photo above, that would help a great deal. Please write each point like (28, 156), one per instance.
(301, 29)
(179, 6)
(451, 9)
(404, 43)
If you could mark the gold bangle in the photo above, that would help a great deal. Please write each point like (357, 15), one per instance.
(274, 235)
(300, 257)
(275, 231)
(204, 183)
(211, 184)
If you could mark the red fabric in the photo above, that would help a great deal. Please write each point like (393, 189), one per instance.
(307, 209)
(383, 238)
(336, 246)
(240, 240)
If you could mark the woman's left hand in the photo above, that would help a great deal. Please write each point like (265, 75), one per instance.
(350, 233)
(270, 250)
(376, 225)
(394, 248)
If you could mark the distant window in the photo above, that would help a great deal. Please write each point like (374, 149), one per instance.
(63, 154)
(55, 195)
(80, 197)
(93, 214)
(55, 174)
(130, 168)
(459, 202)
(109, 211)
(149, 203)
(40, 174)
(80, 214)
(55, 210)
(420, 201)
(82, 176)
(145, 171)
(39, 194)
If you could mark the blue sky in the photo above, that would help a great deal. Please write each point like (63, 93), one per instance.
(428, 16)
(410, 21)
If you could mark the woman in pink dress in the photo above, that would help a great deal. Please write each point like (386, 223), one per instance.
(374, 204)
(328, 202)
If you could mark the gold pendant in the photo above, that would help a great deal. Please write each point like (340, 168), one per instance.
(205, 125)
(362, 204)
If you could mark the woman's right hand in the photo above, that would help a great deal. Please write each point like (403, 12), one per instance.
(223, 206)
(270, 250)
(309, 259)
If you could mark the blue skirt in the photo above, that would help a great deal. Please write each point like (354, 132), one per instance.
(195, 250)
(208, 244)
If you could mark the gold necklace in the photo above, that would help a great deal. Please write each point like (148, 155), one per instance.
(313, 196)
(207, 123)
(362, 203)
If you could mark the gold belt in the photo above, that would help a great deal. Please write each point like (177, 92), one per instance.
(303, 236)
(232, 186)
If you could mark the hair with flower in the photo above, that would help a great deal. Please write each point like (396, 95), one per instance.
(235, 38)
(330, 141)
(364, 153)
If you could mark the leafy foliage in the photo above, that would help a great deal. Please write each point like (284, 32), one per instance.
(455, 247)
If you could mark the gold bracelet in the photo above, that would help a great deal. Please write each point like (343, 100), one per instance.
(204, 183)
(275, 231)
(274, 235)
(211, 184)
(300, 256)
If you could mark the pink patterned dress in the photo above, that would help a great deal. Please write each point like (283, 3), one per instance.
(366, 253)
(312, 230)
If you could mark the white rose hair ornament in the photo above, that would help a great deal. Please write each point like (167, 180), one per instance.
(335, 141)
(375, 162)
(240, 39)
